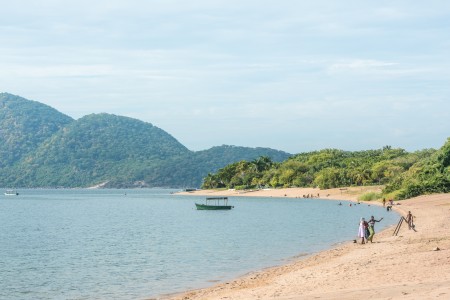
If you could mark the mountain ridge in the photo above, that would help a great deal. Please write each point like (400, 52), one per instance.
(101, 148)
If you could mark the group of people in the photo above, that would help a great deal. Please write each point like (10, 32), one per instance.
(311, 196)
(391, 203)
(366, 229)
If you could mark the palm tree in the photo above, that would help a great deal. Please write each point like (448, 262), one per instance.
(262, 163)
(210, 181)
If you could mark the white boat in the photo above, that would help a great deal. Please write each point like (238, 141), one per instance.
(11, 193)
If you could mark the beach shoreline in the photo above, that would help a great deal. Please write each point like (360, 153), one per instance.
(345, 194)
(411, 265)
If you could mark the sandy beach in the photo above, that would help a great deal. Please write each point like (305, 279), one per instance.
(411, 265)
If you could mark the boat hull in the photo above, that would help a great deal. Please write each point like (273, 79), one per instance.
(11, 193)
(212, 207)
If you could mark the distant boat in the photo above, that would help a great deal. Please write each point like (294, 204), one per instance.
(214, 203)
(11, 193)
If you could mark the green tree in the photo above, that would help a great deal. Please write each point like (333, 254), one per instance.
(327, 178)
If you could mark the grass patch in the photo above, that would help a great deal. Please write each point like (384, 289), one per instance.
(393, 195)
(370, 196)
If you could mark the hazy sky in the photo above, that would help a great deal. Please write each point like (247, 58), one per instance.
(288, 74)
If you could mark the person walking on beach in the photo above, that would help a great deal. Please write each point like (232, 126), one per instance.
(410, 220)
(372, 228)
(362, 230)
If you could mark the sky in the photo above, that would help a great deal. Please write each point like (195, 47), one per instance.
(290, 75)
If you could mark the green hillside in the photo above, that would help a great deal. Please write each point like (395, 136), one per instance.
(24, 125)
(189, 171)
(95, 149)
(44, 148)
(427, 176)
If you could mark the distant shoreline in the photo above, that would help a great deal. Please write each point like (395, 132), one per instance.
(411, 265)
(347, 193)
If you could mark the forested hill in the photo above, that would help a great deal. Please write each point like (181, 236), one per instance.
(190, 170)
(95, 148)
(24, 125)
(41, 147)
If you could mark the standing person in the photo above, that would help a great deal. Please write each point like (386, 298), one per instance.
(366, 230)
(384, 202)
(410, 220)
(362, 230)
(372, 228)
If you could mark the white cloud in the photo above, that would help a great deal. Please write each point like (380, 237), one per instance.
(361, 65)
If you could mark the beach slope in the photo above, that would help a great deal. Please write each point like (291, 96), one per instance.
(415, 264)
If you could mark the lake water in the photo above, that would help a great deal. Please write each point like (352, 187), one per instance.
(138, 244)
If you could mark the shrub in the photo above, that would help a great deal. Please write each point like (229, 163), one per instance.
(369, 196)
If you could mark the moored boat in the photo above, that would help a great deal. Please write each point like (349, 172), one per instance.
(11, 193)
(214, 203)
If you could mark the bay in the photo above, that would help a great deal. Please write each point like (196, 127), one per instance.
(139, 244)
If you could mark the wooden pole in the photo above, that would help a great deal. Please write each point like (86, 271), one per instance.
(399, 225)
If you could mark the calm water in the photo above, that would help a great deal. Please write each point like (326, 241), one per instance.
(137, 244)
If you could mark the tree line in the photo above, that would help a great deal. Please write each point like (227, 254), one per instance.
(403, 174)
